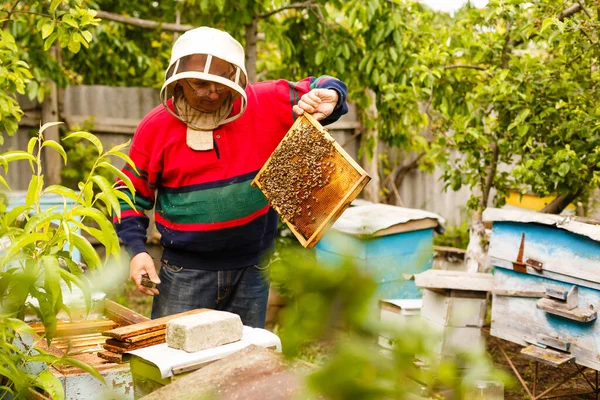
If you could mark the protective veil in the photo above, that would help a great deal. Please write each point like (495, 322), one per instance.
(201, 53)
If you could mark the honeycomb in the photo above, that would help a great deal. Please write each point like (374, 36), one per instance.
(310, 180)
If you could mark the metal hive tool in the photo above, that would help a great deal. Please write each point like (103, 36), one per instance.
(310, 180)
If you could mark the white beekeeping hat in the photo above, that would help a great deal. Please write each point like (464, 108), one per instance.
(208, 48)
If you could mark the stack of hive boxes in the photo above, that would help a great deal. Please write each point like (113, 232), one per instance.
(454, 307)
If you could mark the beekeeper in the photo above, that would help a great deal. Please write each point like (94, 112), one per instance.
(196, 155)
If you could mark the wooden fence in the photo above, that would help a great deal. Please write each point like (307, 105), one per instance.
(114, 113)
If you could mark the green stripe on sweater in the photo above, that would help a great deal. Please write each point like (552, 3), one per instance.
(207, 206)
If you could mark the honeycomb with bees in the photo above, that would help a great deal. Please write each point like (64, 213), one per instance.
(310, 180)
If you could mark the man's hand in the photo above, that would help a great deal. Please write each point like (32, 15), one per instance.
(318, 102)
(142, 264)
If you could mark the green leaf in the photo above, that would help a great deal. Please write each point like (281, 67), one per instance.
(393, 54)
(19, 325)
(52, 281)
(87, 250)
(51, 384)
(87, 36)
(21, 242)
(108, 193)
(12, 215)
(68, 19)
(97, 233)
(319, 57)
(87, 136)
(64, 191)
(125, 158)
(74, 45)
(88, 194)
(81, 283)
(66, 230)
(120, 174)
(31, 145)
(50, 40)
(111, 238)
(3, 182)
(56, 146)
(123, 196)
(41, 219)
(547, 23)
(48, 125)
(47, 29)
(33, 192)
(18, 155)
(118, 148)
(54, 5)
(520, 118)
(81, 365)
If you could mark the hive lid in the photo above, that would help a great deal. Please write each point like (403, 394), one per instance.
(384, 219)
(581, 226)
(310, 180)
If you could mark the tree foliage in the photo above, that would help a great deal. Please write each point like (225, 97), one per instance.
(29, 29)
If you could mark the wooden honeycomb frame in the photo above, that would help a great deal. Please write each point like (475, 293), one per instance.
(329, 202)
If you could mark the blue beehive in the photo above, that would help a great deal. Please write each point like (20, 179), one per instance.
(546, 285)
(392, 243)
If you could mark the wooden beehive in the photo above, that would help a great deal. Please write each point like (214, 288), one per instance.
(310, 180)
(546, 285)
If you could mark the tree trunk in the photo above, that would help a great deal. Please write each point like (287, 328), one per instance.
(560, 203)
(370, 164)
(53, 160)
(475, 257)
(251, 39)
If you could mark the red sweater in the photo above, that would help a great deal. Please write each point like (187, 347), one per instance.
(206, 211)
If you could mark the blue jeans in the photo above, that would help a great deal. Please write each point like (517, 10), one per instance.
(243, 291)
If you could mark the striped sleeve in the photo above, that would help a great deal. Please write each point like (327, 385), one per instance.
(134, 222)
(291, 92)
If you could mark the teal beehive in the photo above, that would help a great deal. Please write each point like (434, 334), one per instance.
(392, 243)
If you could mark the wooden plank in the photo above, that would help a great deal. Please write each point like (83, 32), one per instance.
(547, 356)
(562, 310)
(105, 124)
(496, 262)
(80, 342)
(462, 280)
(557, 293)
(77, 328)
(110, 356)
(554, 342)
(78, 338)
(146, 336)
(147, 326)
(519, 293)
(132, 346)
(122, 315)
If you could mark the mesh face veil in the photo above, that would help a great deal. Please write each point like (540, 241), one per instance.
(206, 60)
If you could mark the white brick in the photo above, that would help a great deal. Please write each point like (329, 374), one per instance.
(203, 330)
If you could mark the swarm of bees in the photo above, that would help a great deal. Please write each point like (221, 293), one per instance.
(298, 167)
